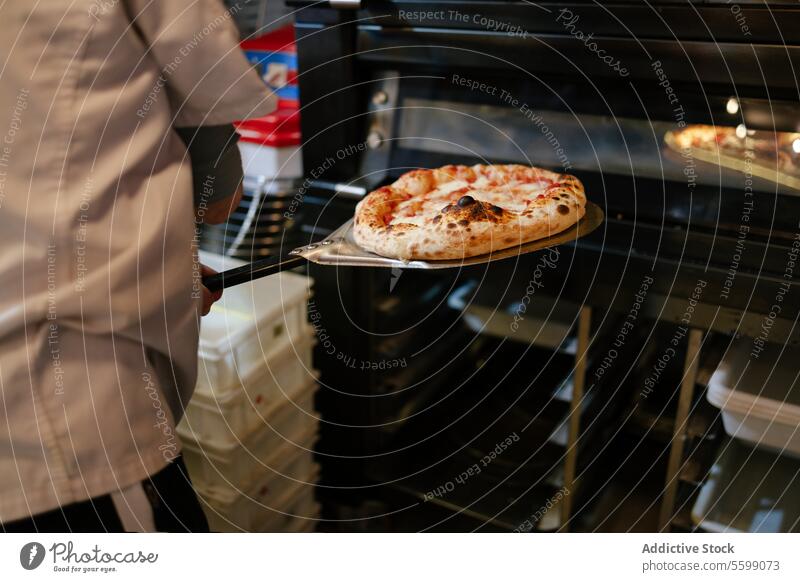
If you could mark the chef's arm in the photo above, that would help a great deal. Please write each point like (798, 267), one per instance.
(196, 46)
(210, 85)
(216, 170)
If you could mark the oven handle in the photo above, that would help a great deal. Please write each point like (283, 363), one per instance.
(345, 4)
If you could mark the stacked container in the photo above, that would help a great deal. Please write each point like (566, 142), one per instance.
(758, 396)
(270, 145)
(753, 483)
(249, 431)
(750, 490)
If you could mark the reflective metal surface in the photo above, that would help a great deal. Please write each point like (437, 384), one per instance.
(340, 249)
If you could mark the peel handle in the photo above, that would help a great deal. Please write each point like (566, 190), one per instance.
(251, 271)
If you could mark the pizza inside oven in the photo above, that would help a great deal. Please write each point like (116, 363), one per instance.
(456, 212)
(776, 151)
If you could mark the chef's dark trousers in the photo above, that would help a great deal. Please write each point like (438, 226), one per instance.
(169, 504)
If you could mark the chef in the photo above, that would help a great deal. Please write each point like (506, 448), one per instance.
(115, 144)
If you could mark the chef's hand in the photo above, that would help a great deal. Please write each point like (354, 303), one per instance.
(209, 297)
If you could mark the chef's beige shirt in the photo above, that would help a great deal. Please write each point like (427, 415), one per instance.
(99, 291)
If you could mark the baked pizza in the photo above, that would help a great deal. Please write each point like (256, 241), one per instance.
(456, 212)
(770, 155)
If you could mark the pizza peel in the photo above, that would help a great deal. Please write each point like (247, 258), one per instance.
(340, 250)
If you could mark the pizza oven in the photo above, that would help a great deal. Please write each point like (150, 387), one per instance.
(562, 390)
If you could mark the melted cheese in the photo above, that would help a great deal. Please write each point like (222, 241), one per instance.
(510, 196)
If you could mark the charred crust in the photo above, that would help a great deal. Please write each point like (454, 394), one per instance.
(465, 201)
(562, 209)
(451, 225)
(475, 212)
(437, 218)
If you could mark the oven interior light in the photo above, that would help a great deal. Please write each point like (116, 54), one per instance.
(732, 106)
(796, 146)
(741, 131)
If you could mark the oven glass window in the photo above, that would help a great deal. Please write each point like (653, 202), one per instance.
(712, 155)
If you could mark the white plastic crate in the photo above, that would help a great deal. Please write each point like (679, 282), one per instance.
(757, 396)
(290, 434)
(250, 323)
(300, 516)
(225, 420)
(749, 489)
(269, 506)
